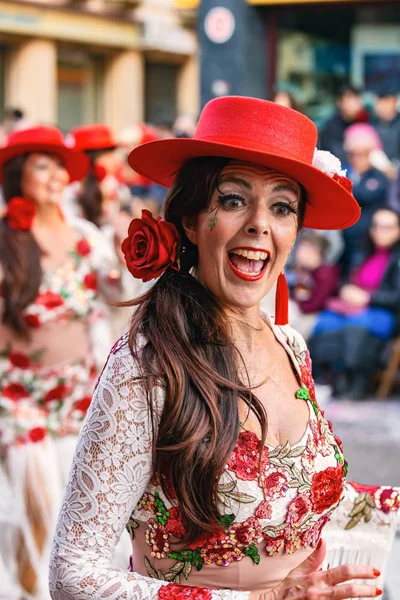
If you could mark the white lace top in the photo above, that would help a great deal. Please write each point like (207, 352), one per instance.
(272, 516)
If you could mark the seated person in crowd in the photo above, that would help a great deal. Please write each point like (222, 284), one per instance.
(349, 336)
(370, 188)
(312, 281)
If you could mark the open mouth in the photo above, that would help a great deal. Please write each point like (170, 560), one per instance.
(248, 264)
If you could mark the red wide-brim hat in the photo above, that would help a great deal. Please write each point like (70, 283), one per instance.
(48, 140)
(93, 137)
(263, 133)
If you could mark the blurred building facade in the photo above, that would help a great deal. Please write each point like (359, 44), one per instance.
(69, 62)
(306, 47)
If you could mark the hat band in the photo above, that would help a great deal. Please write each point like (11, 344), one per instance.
(240, 142)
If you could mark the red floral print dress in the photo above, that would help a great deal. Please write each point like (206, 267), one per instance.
(35, 400)
(271, 514)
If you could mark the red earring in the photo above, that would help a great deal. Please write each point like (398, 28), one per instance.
(282, 301)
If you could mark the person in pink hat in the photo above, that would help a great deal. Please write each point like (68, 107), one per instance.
(204, 437)
(49, 307)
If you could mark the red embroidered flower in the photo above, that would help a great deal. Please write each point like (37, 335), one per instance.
(83, 404)
(387, 499)
(151, 246)
(174, 591)
(360, 488)
(57, 393)
(20, 214)
(32, 321)
(37, 434)
(326, 488)
(19, 360)
(174, 524)
(49, 300)
(306, 375)
(146, 502)
(245, 456)
(274, 545)
(15, 391)
(298, 509)
(322, 445)
(264, 510)
(208, 538)
(245, 533)
(83, 247)
(338, 443)
(311, 537)
(221, 554)
(274, 481)
(157, 539)
(90, 281)
(344, 182)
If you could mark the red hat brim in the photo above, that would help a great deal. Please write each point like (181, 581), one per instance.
(330, 205)
(76, 163)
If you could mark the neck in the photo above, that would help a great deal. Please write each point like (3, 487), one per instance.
(48, 215)
(246, 325)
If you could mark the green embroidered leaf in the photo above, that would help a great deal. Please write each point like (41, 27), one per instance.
(131, 525)
(354, 521)
(303, 488)
(160, 574)
(370, 501)
(303, 393)
(177, 579)
(315, 407)
(358, 508)
(295, 452)
(226, 521)
(176, 555)
(252, 552)
(177, 568)
(169, 576)
(345, 468)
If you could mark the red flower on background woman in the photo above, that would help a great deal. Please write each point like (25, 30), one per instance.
(151, 246)
(49, 300)
(83, 404)
(37, 434)
(57, 393)
(32, 321)
(20, 214)
(326, 488)
(83, 247)
(21, 361)
(15, 391)
(90, 281)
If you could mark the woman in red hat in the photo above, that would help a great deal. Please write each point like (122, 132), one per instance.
(49, 309)
(204, 437)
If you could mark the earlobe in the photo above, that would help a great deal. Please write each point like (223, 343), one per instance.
(189, 226)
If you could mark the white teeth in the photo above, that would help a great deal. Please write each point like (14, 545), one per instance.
(258, 255)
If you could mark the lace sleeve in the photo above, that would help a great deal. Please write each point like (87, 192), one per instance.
(110, 472)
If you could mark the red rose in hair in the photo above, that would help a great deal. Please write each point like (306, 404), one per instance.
(15, 391)
(37, 434)
(20, 214)
(150, 247)
(32, 321)
(83, 404)
(344, 182)
(49, 300)
(326, 488)
(19, 360)
(57, 393)
(90, 281)
(83, 247)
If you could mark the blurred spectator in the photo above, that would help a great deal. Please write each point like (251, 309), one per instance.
(370, 188)
(387, 120)
(351, 333)
(12, 120)
(285, 99)
(311, 282)
(184, 126)
(350, 109)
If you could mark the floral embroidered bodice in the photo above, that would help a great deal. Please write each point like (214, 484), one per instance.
(272, 516)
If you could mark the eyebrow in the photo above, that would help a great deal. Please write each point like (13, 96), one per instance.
(284, 187)
(232, 179)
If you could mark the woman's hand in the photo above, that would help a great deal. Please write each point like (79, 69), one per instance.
(354, 295)
(306, 582)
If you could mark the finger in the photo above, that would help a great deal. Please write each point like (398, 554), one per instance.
(312, 562)
(345, 572)
(342, 592)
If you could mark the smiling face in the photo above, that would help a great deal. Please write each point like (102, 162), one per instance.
(246, 233)
(43, 179)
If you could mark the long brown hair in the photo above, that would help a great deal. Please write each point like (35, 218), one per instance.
(20, 256)
(90, 197)
(189, 344)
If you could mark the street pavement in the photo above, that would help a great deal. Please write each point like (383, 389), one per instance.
(370, 432)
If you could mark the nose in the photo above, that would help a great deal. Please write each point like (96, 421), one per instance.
(258, 222)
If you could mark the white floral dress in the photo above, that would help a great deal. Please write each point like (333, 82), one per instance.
(272, 517)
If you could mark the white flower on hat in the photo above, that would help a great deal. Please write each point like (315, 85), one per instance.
(328, 163)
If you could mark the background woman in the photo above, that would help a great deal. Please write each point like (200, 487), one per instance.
(204, 436)
(49, 305)
(351, 334)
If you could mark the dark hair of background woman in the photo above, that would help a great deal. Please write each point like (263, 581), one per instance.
(188, 344)
(19, 257)
(369, 244)
(90, 198)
